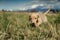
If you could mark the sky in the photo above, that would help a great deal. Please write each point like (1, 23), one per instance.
(27, 4)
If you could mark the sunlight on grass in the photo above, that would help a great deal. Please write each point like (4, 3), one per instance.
(15, 26)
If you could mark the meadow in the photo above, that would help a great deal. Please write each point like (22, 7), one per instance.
(16, 26)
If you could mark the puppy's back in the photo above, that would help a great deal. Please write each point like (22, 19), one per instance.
(43, 17)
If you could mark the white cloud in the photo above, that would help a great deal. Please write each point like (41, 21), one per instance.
(41, 5)
(23, 9)
(9, 9)
(34, 6)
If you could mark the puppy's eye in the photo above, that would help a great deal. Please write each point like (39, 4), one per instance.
(30, 18)
(35, 18)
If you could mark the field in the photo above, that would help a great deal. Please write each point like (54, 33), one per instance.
(15, 26)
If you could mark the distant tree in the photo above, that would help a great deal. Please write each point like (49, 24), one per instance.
(2, 9)
(33, 10)
(54, 10)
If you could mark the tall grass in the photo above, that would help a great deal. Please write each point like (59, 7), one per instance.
(15, 26)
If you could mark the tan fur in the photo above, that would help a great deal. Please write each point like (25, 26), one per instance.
(41, 18)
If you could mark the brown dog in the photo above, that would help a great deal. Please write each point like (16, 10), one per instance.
(36, 19)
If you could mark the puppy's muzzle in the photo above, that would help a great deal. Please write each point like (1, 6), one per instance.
(32, 24)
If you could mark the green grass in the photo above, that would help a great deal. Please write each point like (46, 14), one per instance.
(15, 26)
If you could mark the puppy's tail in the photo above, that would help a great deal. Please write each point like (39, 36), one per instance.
(48, 10)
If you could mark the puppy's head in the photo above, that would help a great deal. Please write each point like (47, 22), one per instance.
(33, 18)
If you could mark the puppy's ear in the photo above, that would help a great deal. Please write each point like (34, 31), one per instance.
(29, 18)
(37, 21)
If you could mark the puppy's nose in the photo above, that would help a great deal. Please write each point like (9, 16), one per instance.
(33, 24)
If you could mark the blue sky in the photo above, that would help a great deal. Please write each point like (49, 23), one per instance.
(27, 4)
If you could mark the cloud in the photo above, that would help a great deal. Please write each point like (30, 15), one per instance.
(41, 5)
(34, 6)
